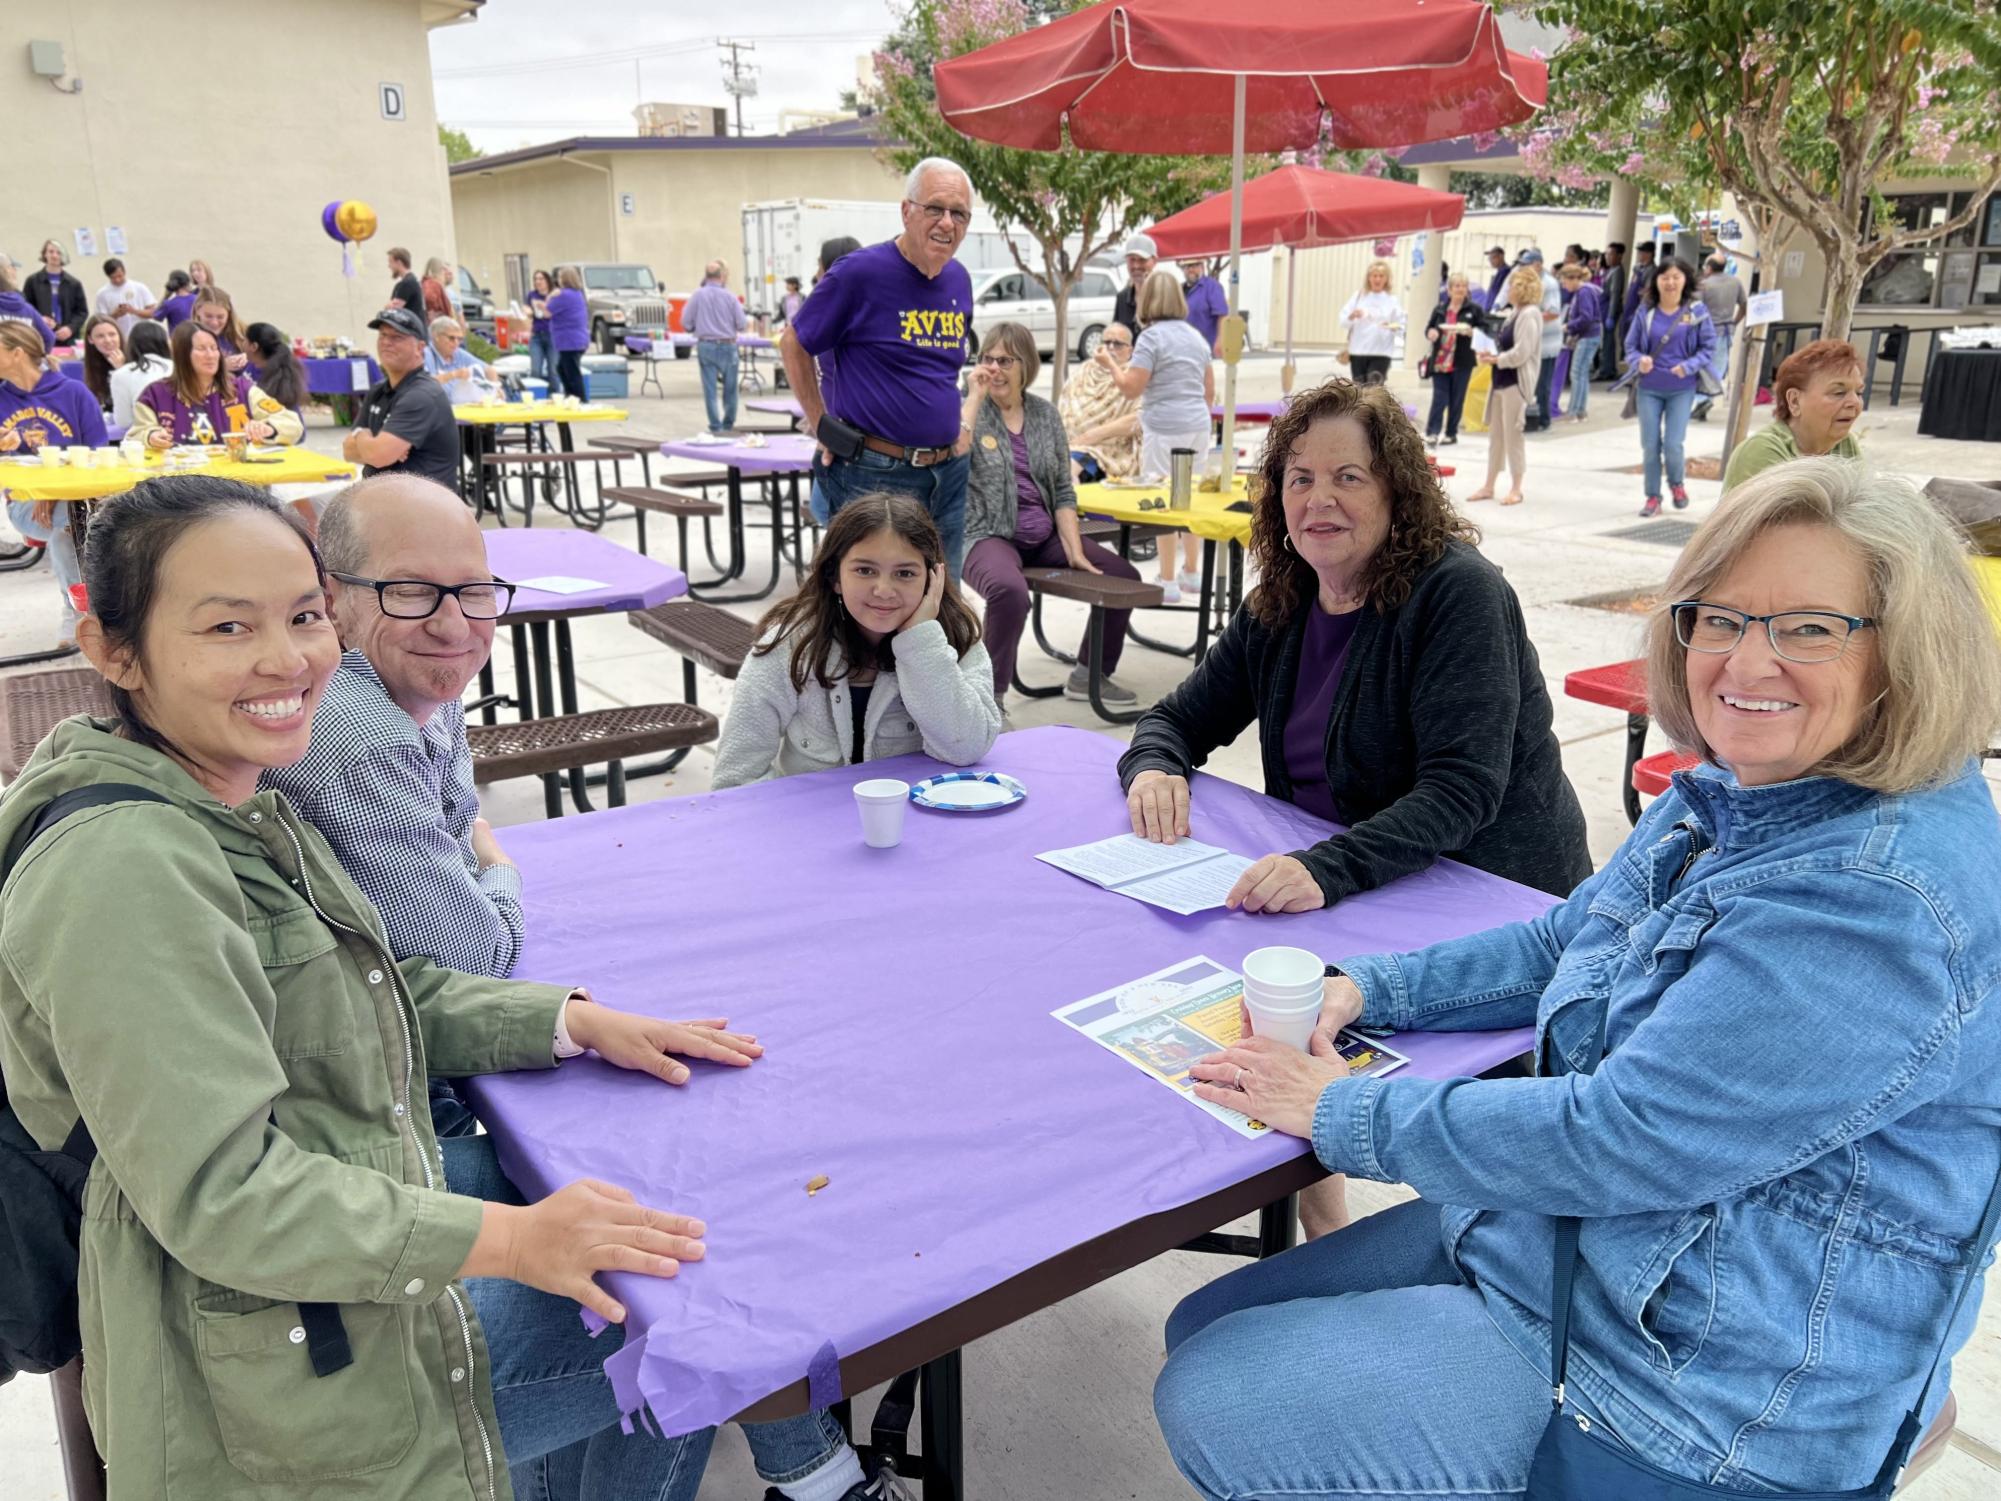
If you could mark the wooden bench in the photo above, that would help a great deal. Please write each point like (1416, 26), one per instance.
(702, 634)
(683, 508)
(569, 742)
(33, 703)
(1101, 593)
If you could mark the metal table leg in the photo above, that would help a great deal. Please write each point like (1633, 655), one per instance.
(942, 1418)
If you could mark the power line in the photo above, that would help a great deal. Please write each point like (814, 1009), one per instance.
(739, 81)
(625, 55)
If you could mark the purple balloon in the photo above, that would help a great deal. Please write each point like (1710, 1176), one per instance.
(327, 216)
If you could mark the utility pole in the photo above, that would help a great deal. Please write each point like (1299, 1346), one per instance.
(739, 78)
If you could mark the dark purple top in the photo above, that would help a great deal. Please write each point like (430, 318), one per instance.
(1032, 523)
(902, 342)
(1322, 656)
(1207, 308)
(177, 310)
(569, 320)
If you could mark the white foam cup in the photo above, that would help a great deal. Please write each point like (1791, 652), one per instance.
(1278, 969)
(882, 801)
(1293, 1028)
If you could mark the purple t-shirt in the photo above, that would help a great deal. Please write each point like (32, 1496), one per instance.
(1032, 523)
(1322, 656)
(901, 338)
(177, 310)
(1207, 307)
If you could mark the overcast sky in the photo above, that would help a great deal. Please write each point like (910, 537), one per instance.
(540, 70)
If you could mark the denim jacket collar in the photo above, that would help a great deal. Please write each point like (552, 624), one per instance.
(1735, 817)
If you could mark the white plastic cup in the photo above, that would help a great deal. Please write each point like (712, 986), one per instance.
(882, 801)
(50, 455)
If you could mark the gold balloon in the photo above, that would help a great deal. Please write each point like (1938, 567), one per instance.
(355, 220)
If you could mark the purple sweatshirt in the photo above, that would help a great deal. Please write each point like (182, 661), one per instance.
(58, 412)
(569, 320)
(14, 308)
(1585, 316)
(1686, 338)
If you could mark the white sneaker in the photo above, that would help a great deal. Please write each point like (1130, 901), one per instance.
(1170, 592)
(1191, 583)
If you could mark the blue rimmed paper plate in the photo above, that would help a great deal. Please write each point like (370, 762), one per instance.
(968, 792)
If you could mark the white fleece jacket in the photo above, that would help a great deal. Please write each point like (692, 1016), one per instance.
(933, 702)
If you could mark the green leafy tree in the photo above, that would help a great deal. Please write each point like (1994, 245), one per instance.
(1050, 198)
(1802, 110)
(458, 145)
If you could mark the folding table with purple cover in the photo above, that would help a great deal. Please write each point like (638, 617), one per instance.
(779, 455)
(546, 680)
(982, 1159)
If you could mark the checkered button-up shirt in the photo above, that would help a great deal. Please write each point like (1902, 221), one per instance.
(396, 802)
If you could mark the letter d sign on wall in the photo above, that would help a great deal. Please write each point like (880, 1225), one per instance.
(393, 104)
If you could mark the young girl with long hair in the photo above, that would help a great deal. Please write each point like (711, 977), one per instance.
(875, 656)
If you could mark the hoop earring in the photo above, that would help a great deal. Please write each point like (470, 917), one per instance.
(1288, 545)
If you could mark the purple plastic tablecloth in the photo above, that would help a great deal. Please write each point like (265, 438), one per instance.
(783, 406)
(904, 1000)
(631, 580)
(743, 341)
(782, 453)
(337, 376)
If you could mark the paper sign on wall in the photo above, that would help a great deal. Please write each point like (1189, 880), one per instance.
(1795, 262)
(86, 243)
(1989, 281)
(114, 239)
(1765, 307)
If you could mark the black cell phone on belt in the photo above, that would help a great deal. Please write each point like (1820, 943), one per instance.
(841, 439)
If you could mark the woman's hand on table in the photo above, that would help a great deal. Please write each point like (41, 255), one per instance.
(1340, 1006)
(1271, 1081)
(559, 1244)
(1158, 802)
(260, 432)
(162, 439)
(1277, 883)
(934, 595)
(485, 846)
(647, 1045)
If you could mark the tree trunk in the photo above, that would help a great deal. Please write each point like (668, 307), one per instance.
(1062, 334)
(1844, 290)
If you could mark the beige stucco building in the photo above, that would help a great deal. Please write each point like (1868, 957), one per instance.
(219, 129)
(673, 203)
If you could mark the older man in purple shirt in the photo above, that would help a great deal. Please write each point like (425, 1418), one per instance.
(715, 318)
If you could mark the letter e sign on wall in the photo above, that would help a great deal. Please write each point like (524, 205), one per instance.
(394, 106)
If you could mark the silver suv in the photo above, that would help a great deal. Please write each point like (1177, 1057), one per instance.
(624, 298)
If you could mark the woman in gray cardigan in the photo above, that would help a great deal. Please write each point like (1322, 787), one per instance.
(1021, 511)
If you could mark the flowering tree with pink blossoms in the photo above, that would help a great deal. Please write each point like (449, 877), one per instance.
(1803, 109)
(1049, 197)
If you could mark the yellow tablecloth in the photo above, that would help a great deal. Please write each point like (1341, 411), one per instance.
(292, 466)
(1208, 515)
(510, 412)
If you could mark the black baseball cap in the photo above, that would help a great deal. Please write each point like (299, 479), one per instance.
(1497, 250)
(400, 320)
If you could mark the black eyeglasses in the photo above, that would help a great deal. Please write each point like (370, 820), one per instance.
(1000, 361)
(1104, 343)
(418, 599)
(1806, 636)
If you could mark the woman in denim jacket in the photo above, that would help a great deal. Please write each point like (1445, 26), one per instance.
(1782, 1159)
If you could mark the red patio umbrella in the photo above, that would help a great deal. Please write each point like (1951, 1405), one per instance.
(1303, 208)
(1196, 77)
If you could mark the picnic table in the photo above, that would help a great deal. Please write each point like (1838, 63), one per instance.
(479, 421)
(768, 459)
(545, 668)
(1208, 517)
(32, 480)
(982, 1160)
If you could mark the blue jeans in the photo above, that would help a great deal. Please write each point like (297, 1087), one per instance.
(1663, 427)
(542, 354)
(559, 1423)
(942, 488)
(1720, 365)
(1582, 358)
(718, 361)
(1545, 402)
(1358, 1365)
(62, 552)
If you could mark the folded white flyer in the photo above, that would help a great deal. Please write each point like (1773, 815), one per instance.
(1168, 1021)
(1186, 877)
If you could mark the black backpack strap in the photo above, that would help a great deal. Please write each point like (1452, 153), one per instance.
(78, 1143)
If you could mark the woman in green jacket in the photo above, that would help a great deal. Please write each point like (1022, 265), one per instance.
(1816, 397)
(195, 977)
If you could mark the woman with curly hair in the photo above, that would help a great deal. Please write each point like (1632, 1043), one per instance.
(1390, 675)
